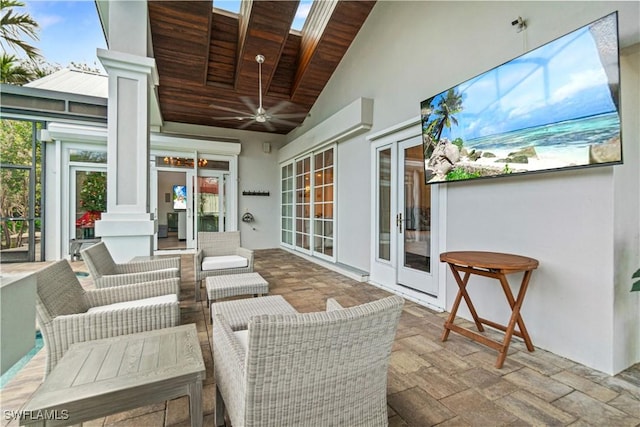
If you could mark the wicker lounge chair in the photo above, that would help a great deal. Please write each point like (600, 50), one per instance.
(219, 254)
(307, 369)
(68, 314)
(106, 272)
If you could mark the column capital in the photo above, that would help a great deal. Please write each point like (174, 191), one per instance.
(120, 61)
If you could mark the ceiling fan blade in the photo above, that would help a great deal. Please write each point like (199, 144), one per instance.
(289, 116)
(231, 110)
(269, 126)
(279, 106)
(249, 103)
(246, 125)
(233, 118)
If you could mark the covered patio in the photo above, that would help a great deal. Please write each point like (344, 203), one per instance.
(336, 204)
(429, 382)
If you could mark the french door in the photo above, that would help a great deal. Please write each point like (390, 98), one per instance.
(405, 220)
(208, 197)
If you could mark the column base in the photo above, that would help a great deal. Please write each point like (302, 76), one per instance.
(126, 235)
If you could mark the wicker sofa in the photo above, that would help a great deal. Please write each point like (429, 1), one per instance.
(307, 369)
(68, 314)
(220, 253)
(106, 272)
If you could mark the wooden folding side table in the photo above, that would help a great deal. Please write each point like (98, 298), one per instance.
(497, 266)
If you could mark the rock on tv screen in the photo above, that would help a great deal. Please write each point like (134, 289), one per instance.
(553, 108)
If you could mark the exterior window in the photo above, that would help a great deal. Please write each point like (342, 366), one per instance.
(287, 204)
(307, 204)
(84, 156)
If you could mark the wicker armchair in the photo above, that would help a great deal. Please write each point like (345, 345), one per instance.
(218, 254)
(69, 314)
(106, 272)
(308, 369)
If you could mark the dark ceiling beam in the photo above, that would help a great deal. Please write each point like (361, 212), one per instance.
(223, 50)
(208, 51)
(263, 29)
(189, 46)
(330, 29)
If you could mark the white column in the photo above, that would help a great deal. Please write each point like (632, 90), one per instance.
(128, 227)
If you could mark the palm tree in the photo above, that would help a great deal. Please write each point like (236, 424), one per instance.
(14, 26)
(14, 72)
(447, 107)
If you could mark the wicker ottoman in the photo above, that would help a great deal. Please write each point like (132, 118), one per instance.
(231, 285)
(238, 312)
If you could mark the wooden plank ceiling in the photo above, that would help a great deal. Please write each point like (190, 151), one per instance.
(206, 59)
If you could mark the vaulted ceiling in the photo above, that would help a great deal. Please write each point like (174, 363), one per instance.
(206, 59)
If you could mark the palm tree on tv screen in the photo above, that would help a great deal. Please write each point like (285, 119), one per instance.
(448, 106)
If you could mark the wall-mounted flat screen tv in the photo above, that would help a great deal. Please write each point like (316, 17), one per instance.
(553, 108)
(179, 197)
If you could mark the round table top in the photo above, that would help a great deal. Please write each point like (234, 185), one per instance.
(490, 260)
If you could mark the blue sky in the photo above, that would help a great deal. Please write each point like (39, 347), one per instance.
(559, 81)
(70, 31)
(298, 21)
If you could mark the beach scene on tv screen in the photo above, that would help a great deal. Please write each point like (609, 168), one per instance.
(554, 107)
(179, 197)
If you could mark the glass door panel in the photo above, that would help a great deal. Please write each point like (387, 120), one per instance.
(90, 201)
(413, 221)
(209, 203)
(287, 204)
(384, 204)
(303, 203)
(417, 212)
(323, 203)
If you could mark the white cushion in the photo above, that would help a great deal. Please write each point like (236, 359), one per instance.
(243, 338)
(223, 262)
(162, 299)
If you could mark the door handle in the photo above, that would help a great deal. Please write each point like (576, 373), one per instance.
(399, 222)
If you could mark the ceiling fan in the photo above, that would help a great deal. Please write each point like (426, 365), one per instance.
(260, 115)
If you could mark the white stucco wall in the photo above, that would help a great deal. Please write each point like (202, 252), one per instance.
(259, 171)
(409, 51)
(354, 219)
(626, 329)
